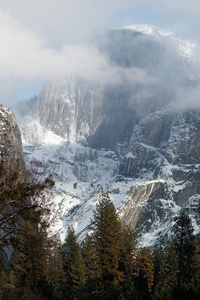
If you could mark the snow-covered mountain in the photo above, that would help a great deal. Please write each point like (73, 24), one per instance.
(136, 135)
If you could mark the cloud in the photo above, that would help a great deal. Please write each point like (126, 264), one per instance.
(42, 40)
(180, 16)
(63, 21)
(189, 8)
(25, 56)
(182, 8)
(73, 21)
(188, 98)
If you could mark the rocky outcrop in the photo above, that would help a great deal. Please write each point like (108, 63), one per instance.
(11, 154)
(162, 139)
(71, 108)
(164, 147)
(10, 144)
(138, 195)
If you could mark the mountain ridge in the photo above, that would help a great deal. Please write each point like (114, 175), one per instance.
(124, 137)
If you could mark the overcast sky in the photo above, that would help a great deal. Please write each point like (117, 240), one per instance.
(43, 39)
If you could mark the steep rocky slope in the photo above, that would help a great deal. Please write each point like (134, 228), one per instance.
(135, 139)
(10, 143)
(164, 145)
(148, 70)
(11, 154)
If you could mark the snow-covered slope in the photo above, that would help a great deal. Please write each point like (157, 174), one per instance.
(129, 138)
(81, 173)
(166, 38)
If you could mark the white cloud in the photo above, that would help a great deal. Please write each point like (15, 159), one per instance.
(63, 21)
(43, 39)
(25, 56)
(73, 21)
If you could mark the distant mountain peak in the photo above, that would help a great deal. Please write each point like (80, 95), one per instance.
(128, 138)
(183, 47)
(148, 29)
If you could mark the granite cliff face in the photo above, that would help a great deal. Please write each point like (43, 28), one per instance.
(164, 145)
(145, 80)
(71, 108)
(134, 139)
(138, 194)
(13, 161)
(10, 143)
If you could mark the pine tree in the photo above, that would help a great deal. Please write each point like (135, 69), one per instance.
(35, 270)
(130, 247)
(89, 258)
(19, 200)
(184, 246)
(166, 266)
(158, 261)
(145, 274)
(74, 267)
(174, 274)
(195, 282)
(107, 245)
(128, 261)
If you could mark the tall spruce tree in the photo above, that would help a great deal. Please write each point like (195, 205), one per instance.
(35, 270)
(145, 274)
(158, 259)
(89, 258)
(166, 266)
(195, 282)
(184, 246)
(107, 245)
(128, 261)
(74, 267)
(175, 272)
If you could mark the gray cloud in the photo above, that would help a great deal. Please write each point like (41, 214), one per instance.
(188, 98)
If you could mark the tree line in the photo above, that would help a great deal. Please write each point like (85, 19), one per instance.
(108, 264)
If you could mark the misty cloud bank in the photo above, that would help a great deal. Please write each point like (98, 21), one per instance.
(46, 40)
